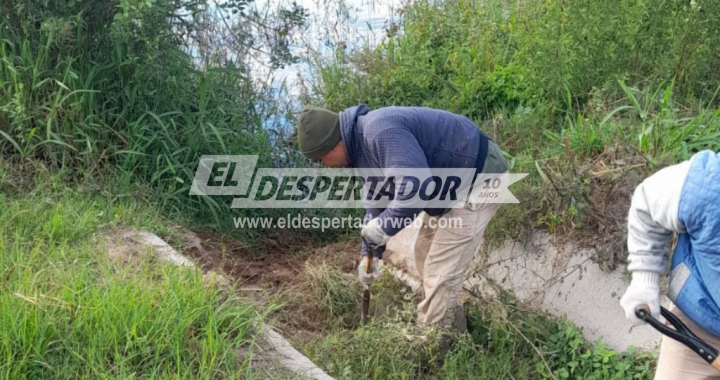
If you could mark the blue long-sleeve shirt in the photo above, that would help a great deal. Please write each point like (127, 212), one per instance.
(397, 138)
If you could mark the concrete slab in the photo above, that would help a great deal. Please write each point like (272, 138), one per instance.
(560, 280)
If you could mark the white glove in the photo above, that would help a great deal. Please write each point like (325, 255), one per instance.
(644, 289)
(365, 277)
(374, 233)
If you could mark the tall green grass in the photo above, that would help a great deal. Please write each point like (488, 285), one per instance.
(126, 96)
(480, 58)
(70, 311)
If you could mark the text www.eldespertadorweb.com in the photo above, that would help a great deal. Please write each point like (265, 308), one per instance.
(326, 223)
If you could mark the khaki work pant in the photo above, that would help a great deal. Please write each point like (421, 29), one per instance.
(443, 252)
(677, 362)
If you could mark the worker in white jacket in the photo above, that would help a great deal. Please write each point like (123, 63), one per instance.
(684, 199)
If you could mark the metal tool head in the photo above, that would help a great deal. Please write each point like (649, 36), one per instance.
(365, 306)
(680, 333)
(366, 292)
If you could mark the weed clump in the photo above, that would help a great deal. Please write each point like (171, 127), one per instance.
(506, 339)
(510, 338)
(383, 349)
(339, 296)
(337, 293)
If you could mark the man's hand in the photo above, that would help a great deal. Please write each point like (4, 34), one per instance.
(374, 234)
(365, 277)
(644, 289)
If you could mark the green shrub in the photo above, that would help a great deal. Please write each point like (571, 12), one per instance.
(122, 95)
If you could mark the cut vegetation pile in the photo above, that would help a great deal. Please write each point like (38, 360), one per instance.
(507, 340)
